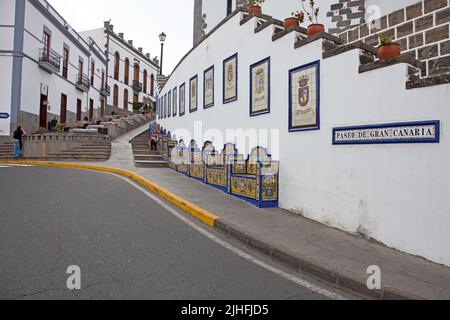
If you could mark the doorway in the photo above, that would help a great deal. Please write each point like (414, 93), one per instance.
(91, 109)
(102, 109)
(78, 110)
(63, 114)
(43, 112)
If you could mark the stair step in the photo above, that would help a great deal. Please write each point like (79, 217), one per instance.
(92, 149)
(97, 145)
(151, 164)
(107, 155)
(64, 157)
(148, 157)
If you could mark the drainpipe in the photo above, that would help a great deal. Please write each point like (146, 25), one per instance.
(107, 61)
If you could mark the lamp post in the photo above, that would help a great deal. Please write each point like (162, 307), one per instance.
(162, 38)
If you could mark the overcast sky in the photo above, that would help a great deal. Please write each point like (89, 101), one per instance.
(140, 20)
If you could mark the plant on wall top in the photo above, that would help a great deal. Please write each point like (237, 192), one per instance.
(312, 12)
(387, 49)
(385, 40)
(299, 15)
(256, 2)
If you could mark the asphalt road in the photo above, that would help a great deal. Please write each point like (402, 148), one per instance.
(126, 244)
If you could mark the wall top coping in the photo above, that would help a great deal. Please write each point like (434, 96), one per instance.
(404, 58)
(319, 36)
(351, 46)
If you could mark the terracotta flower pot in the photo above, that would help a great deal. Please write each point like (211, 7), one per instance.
(388, 51)
(315, 28)
(291, 22)
(254, 10)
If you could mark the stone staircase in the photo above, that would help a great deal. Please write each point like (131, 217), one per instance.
(93, 151)
(143, 156)
(6, 151)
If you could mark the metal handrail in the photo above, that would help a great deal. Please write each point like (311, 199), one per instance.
(50, 56)
(83, 80)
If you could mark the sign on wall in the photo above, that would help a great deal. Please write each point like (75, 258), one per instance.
(304, 97)
(408, 132)
(4, 124)
(193, 94)
(208, 88)
(44, 89)
(182, 99)
(230, 79)
(260, 87)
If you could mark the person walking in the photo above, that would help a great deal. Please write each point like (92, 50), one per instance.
(154, 142)
(18, 141)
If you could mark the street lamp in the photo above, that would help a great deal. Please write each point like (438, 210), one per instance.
(162, 38)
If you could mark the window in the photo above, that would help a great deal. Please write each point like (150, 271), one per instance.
(136, 72)
(127, 72)
(103, 80)
(47, 41)
(92, 72)
(116, 95)
(152, 85)
(66, 63)
(229, 7)
(80, 71)
(125, 99)
(116, 66)
(145, 81)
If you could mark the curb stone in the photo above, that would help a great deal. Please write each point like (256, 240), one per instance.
(280, 254)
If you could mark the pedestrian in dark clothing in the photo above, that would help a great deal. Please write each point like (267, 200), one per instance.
(18, 141)
(154, 143)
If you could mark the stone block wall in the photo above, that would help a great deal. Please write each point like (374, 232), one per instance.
(346, 14)
(422, 30)
(44, 145)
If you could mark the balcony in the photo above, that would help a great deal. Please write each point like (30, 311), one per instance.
(105, 91)
(83, 82)
(49, 60)
(137, 86)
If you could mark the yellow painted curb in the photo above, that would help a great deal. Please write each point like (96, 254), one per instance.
(199, 213)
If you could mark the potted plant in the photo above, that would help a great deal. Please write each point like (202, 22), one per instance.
(254, 6)
(297, 19)
(387, 49)
(313, 13)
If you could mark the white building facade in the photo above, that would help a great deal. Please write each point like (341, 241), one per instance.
(50, 71)
(131, 73)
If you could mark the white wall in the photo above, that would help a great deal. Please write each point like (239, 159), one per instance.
(7, 14)
(5, 93)
(396, 194)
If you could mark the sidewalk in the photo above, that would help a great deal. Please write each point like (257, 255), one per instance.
(311, 247)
